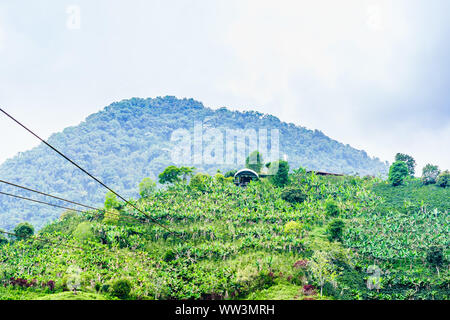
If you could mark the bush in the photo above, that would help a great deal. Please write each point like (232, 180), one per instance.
(146, 187)
(111, 201)
(84, 232)
(443, 180)
(121, 289)
(293, 195)
(24, 230)
(398, 172)
(169, 255)
(200, 182)
(335, 229)
(430, 174)
(332, 208)
(293, 227)
(435, 256)
(68, 214)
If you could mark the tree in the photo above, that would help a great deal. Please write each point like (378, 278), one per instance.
(254, 161)
(186, 172)
(171, 174)
(397, 173)
(200, 181)
(111, 201)
(443, 180)
(322, 269)
(24, 230)
(146, 187)
(430, 174)
(279, 171)
(410, 162)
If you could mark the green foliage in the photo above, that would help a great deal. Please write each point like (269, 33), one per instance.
(68, 214)
(121, 288)
(279, 171)
(200, 182)
(128, 140)
(293, 227)
(397, 173)
(435, 256)
(410, 162)
(173, 174)
(430, 174)
(84, 232)
(147, 187)
(24, 230)
(3, 239)
(111, 201)
(293, 195)
(254, 161)
(230, 174)
(332, 208)
(443, 180)
(239, 243)
(335, 229)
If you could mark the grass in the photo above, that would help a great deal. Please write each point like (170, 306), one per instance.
(68, 295)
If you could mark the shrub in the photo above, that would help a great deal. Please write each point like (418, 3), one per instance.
(200, 182)
(230, 174)
(121, 289)
(430, 174)
(435, 256)
(24, 230)
(67, 215)
(111, 201)
(293, 227)
(84, 232)
(335, 229)
(169, 255)
(293, 195)
(146, 187)
(398, 172)
(332, 208)
(443, 180)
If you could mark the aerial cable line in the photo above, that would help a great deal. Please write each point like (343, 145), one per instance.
(69, 201)
(86, 172)
(62, 207)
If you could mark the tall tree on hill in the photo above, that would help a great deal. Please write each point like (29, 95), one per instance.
(410, 162)
(430, 174)
(254, 161)
(146, 187)
(398, 172)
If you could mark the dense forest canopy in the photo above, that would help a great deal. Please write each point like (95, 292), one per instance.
(130, 140)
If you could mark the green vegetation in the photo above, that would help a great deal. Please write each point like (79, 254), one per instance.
(254, 161)
(443, 180)
(336, 238)
(398, 172)
(147, 187)
(410, 162)
(430, 174)
(130, 140)
(24, 230)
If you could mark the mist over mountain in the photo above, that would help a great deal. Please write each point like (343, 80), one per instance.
(131, 139)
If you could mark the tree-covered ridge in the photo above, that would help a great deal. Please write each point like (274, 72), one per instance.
(130, 140)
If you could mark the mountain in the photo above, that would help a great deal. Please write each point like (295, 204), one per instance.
(131, 139)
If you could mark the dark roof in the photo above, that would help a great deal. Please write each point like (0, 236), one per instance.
(322, 173)
(246, 171)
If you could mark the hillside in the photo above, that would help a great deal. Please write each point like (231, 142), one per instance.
(130, 140)
(270, 247)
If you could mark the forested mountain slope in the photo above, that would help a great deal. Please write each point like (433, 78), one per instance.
(130, 140)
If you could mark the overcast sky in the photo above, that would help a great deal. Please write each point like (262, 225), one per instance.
(373, 74)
